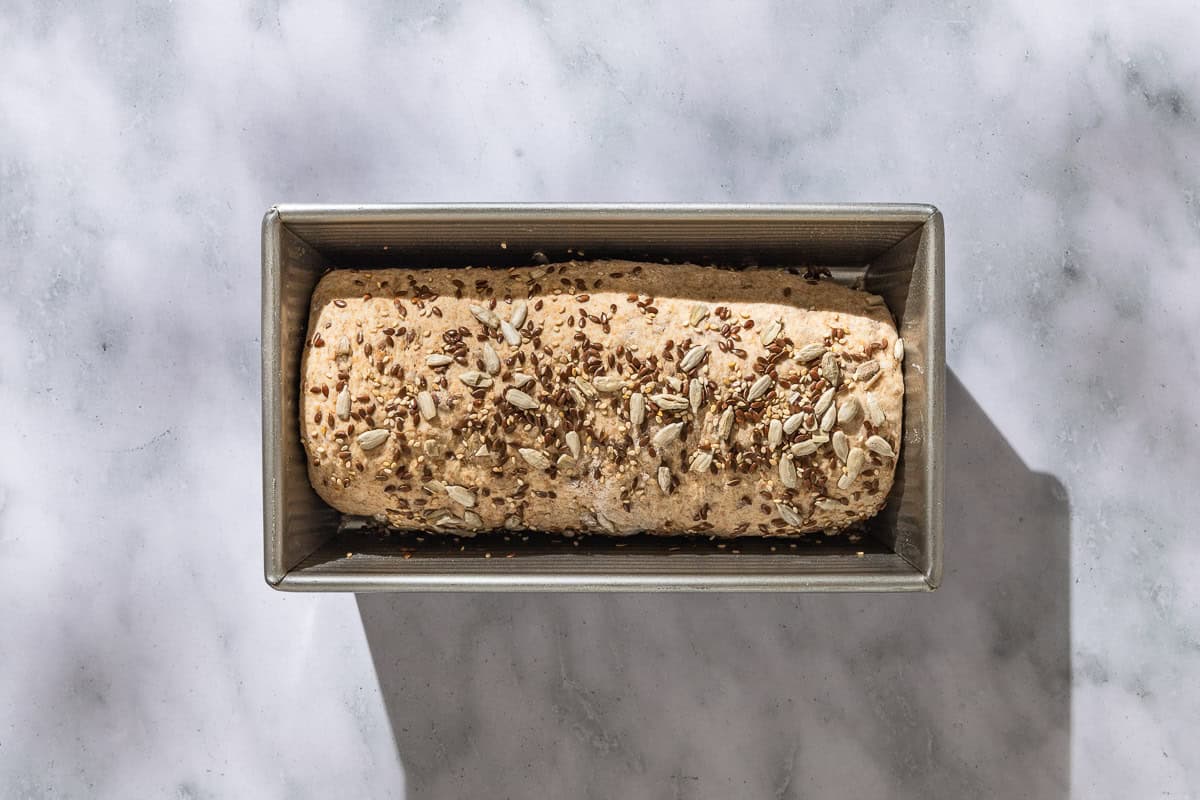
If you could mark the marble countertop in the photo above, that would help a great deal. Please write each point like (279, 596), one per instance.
(140, 145)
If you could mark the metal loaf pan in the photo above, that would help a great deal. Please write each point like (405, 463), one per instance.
(896, 249)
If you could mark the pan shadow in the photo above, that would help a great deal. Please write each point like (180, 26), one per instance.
(963, 692)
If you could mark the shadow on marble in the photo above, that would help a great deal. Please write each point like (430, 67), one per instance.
(960, 693)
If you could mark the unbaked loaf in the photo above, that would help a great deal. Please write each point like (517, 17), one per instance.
(603, 397)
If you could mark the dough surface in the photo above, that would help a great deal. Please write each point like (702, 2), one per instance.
(386, 347)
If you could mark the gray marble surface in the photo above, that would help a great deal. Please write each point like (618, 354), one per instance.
(141, 654)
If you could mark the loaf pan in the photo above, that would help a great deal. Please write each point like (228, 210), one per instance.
(894, 250)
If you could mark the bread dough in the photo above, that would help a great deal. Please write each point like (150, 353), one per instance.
(599, 339)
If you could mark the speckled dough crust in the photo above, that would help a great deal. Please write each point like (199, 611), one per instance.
(463, 400)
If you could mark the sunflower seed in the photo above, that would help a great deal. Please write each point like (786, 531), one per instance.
(431, 447)
(485, 315)
(898, 350)
(820, 438)
(829, 369)
(667, 434)
(343, 404)
(434, 487)
(426, 406)
(510, 334)
(475, 379)
(519, 312)
(472, 520)
(792, 423)
(787, 472)
(447, 521)
(512, 522)
(695, 394)
(670, 402)
(845, 482)
(482, 452)
(701, 461)
(577, 396)
(772, 331)
(823, 402)
(574, 444)
(605, 522)
(874, 411)
(699, 312)
(725, 425)
(809, 352)
(586, 387)
(848, 410)
(369, 440)
(693, 358)
(431, 512)
(804, 448)
(760, 387)
(829, 418)
(789, 514)
(841, 446)
(343, 347)
(461, 495)
(880, 445)
(565, 463)
(664, 479)
(607, 384)
(866, 370)
(825, 504)
(534, 458)
(521, 400)
(491, 360)
(519, 379)
(774, 434)
(438, 360)
(676, 384)
(637, 409)
(855, 462)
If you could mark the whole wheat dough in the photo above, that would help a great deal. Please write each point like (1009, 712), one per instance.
(423, 407)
